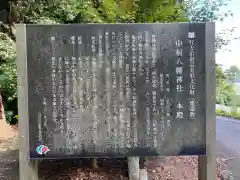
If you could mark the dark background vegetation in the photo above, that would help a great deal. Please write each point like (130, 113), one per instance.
(102, 11)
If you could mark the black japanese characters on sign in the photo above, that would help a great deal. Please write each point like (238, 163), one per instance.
(116, 90)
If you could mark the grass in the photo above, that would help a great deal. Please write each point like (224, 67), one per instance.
(233, 114)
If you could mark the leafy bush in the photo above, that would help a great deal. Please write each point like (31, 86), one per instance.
(72, 11)
(11, 118)
(233, 114)
(97, 11)
(8, 77)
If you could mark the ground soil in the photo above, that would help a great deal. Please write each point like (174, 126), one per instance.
(169, 168)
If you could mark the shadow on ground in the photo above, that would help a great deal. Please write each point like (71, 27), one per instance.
(9, 165)
(69, 168)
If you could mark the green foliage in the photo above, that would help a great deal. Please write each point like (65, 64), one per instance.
(64, 11)
(235, 102)
(74, 11)
(220, 76)
(235, 71)
(160, 11)
(207, 11)
(96, 11)
(225, 93)
(140, 11)
(233, 114)
(11, 118)
(8, 76)
(222, 113)
(223, 38)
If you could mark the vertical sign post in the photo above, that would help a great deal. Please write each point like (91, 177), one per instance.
(28, 169)
(207, 164)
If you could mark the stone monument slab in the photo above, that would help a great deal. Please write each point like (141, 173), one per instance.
(102, 90)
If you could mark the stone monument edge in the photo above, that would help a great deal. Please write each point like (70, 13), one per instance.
(207, 164)
(28, 170)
